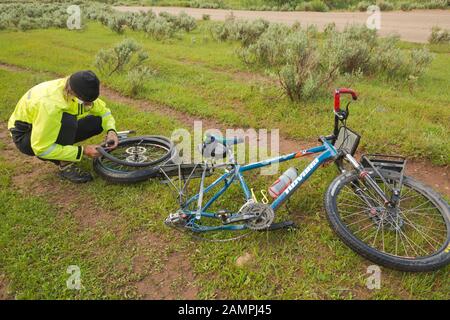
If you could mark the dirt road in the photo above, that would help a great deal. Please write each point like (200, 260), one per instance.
(414, 26)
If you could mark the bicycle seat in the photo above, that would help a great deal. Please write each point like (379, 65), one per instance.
(224, 141)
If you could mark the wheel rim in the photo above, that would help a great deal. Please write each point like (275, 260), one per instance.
(417, 229)
(134, 155)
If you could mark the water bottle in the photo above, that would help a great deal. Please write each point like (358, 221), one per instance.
(283, 182)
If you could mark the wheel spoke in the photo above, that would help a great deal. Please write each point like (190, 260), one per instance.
(414, 229)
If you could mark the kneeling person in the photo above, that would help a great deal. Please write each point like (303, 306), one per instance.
(54, 115)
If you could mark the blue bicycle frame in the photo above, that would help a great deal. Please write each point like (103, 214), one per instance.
(327, 152)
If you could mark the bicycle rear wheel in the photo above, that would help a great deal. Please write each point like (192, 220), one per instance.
(139, 152)
(414, 237)
(135, 159)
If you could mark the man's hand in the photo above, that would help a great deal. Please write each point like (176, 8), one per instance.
(91, 151)
(112, 137)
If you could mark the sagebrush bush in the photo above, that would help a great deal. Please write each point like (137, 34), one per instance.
(303, 76)
(124, 56)
(270, 47)
(248, 32)
(439, 35)
(245, 31)
(351, 49)
(117, 23)
(318, 5)
(305, 68)
(330, 29)
(363, 5)
(395, 63)
(385, 5)
(182, 21)
(436, 4)
(34, 15)
(159, 29)
(136, 79)
(406, 6)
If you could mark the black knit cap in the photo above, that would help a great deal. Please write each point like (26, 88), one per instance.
(85, 84)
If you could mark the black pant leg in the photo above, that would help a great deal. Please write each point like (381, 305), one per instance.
(71, 132)
(88, 127)
(68, 130)
(21, 136)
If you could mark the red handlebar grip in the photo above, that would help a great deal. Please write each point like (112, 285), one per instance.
(337, 97)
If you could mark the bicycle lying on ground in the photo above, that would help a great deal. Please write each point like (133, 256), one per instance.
(378, 211)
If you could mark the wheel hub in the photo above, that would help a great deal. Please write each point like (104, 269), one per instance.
(136, 154)
(387, 217)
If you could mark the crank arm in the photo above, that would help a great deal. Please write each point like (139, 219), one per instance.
(239, 218)
(280, 225)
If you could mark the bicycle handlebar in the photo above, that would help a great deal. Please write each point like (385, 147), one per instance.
(337, 97)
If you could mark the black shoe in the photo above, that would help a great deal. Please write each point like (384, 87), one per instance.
(74, 174)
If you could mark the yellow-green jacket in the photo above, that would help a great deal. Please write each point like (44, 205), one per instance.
(42, 107)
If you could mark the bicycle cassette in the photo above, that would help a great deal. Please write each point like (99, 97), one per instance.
(264, 215)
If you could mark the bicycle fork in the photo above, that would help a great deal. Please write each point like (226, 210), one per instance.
(365, 176)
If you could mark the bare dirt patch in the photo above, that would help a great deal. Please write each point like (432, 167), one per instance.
(437, 178)
(4, 295)
(173, 279)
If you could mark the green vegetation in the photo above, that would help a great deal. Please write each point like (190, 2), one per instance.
(292, 5)
(106, 229)
(116, 233)
(439, 35)
(205, 78)
(32, 15)
(308, 64)
(124, 56)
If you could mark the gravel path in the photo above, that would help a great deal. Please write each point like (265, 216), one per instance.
(414, 26)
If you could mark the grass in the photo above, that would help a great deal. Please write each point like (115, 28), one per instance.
(40, 237)
(204, 78)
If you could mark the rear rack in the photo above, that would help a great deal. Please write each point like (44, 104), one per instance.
(378, 162)
(384, 162)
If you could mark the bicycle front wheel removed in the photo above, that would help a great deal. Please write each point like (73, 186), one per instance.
(414, 237)
(135, 159)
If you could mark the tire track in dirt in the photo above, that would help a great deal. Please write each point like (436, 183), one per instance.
(34, 177)
(435, 176)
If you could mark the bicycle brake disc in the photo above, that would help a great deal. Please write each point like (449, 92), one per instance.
(264, 215)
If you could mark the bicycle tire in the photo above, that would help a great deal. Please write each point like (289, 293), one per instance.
(124, 177)
(135, 173)
(156, 140)
(423, 264)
